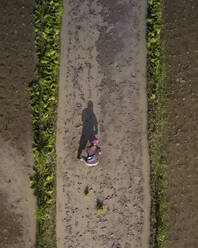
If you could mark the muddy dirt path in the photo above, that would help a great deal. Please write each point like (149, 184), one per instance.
(102, 92)
(17, 63)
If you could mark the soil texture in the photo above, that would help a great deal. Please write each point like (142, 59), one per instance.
(102, 92)
(180, 35)
(17, 62)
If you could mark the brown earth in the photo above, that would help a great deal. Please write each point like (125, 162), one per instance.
(17, 63)
(102, 92)
(180, 34)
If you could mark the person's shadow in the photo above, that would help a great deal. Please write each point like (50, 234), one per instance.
(90, 127)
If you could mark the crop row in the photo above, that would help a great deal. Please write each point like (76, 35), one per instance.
(156, 121)
(47, 19)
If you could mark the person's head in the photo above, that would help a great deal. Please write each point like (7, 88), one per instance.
(95, 141)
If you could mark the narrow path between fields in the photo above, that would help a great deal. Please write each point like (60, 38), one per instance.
(102, 92)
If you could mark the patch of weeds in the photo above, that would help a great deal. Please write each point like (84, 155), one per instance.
(99, 207)
(47, 19)
(156, 121)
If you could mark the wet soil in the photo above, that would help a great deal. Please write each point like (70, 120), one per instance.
(17, 63)
(180, 34)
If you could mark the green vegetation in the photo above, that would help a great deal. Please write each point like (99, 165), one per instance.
(47, 18)
(99, 207)
(86, 192)
(156, 116)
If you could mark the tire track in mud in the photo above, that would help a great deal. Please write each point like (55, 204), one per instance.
(103, 74)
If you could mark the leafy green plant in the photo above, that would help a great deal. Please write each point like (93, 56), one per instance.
(99, 207)
(47, 19)
(86, 192)
(156, 121)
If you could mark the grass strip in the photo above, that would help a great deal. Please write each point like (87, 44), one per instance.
(156, 121)
(47, 20)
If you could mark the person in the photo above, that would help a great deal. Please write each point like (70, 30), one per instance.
(93, 151)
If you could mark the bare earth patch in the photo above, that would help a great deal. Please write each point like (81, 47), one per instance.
(180, 36)
(17, 204)
(102, 92)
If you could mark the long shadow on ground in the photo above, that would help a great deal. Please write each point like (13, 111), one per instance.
(90, 127)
